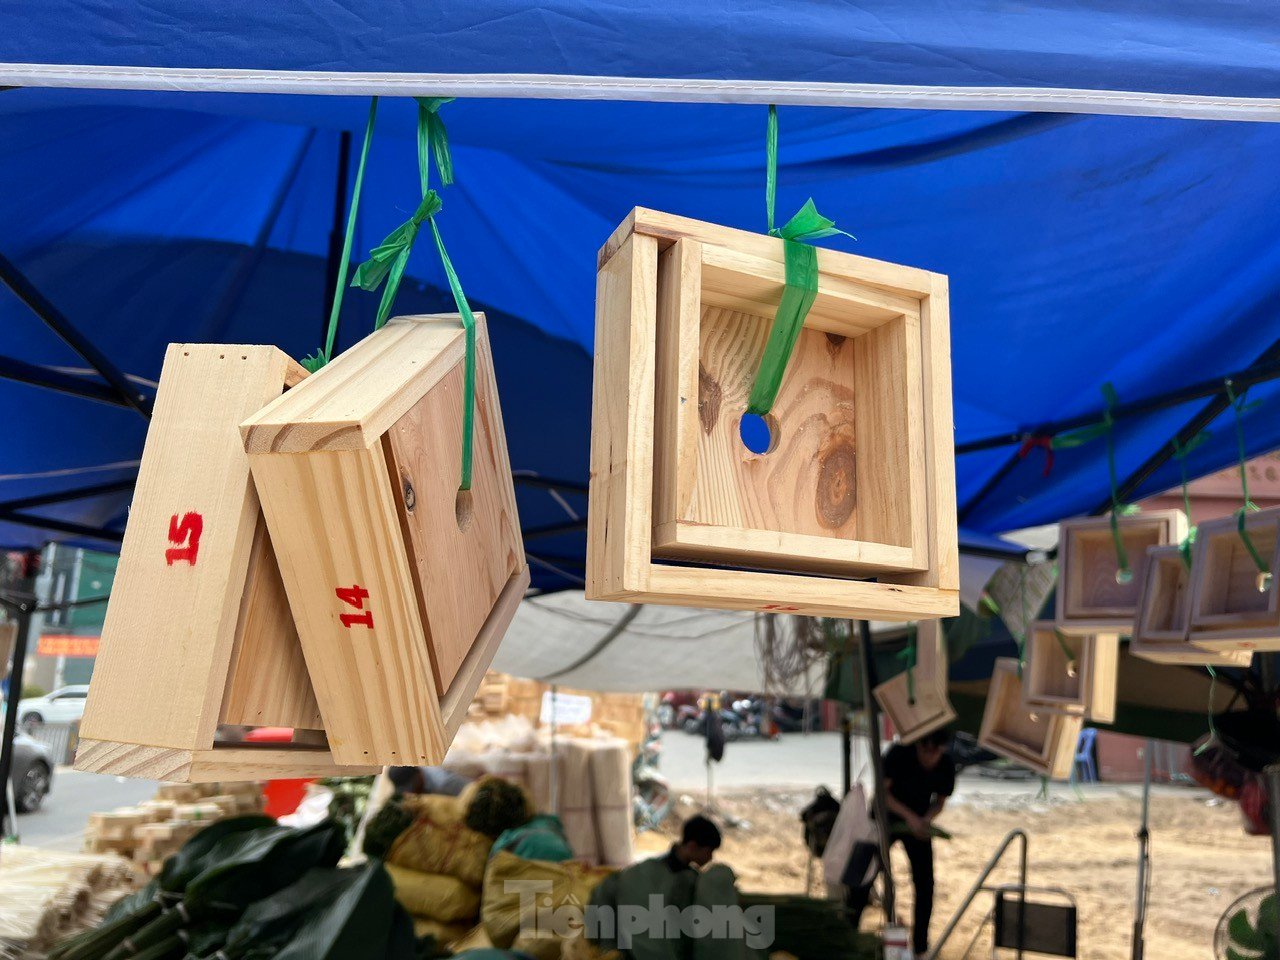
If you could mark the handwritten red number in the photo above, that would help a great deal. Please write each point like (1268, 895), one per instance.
(187, 530)
(355, 595)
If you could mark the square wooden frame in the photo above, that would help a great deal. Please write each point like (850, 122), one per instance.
(932, 708)
(621, 562)
(1223, 576)
(1043, 742)
(1087, 555)
(1162, 630)
(1048, 686)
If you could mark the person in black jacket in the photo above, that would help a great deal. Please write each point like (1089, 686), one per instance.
(918, 779)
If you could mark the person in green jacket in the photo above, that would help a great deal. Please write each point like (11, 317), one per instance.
(636, 911)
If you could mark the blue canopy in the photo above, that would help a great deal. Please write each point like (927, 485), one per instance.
(1082, 249)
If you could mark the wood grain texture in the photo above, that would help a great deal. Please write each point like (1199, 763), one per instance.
(1228, 611)
(1043, 742)
(620, 502)
(333, 519)
(230, 762)
(1089, 596)
(268, 684)
(171, 626)
(460, 566)
(353, 400)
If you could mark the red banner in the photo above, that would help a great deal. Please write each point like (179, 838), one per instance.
(64, 645)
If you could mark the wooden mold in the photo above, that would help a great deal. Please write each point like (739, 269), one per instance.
(1071, 673)
(198, 632)
(1043, 742)
(1090, 597)
(858, 481)
(401, 585)
(1233, 607)
(919, 705)
(1162, 628)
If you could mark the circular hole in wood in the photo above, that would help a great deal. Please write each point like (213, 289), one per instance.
(758, 434)
(463, 509)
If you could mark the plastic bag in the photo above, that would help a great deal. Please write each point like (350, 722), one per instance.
(434, 895)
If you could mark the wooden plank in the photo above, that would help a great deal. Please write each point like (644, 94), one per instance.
(621, 494)
(668, 228)
(334, 522)
(464, 547)
(1090, 598)
(172, 620)
(675, 442)
(798, 552)
(471, 674)
(353, 400)
(231, 762)
(268, 684)
(942, 531)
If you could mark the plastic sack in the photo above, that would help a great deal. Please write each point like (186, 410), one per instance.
(562, 884)
(852, 826)
(446, 934)
(435, 845)
(434, 896)
(542, 838)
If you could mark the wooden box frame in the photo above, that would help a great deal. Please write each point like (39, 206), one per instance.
(198, 632)
(652, 273)
(1089, 599)
(1043, 742)
(1048, 683)
(1162, 629)
(931, 709)
(1228, 612)
(401, 586)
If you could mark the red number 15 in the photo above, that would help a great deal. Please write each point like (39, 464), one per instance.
(187, 530)
(355, 595)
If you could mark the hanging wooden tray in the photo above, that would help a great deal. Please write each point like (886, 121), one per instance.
(1043, 742)
(1079, 680)
(198, 632)
(859, 480)
(401, 586)
(1090, 598)
(1162, 630)
(1229, 611)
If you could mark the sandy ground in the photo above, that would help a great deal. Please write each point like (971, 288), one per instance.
(1202, 861)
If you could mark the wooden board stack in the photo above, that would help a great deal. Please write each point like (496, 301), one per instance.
(919, 704)
(198, 632)
(619, 715)
(858, 480)
(401, 584)
(1042, 741)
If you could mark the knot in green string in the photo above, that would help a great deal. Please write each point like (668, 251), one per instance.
(800, 276)
(388, 260)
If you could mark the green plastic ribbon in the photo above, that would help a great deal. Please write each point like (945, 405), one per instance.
(908, 656)
(321, 357)
(1213, 729)
(1239, 407)
(1180, 453)
(800, 275)
(388, 260)
(1124, 573)
(1066, 651)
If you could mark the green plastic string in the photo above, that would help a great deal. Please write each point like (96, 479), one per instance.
(387, 261)
(1066, 651)
(321, 357)
(1021, 638)
(800, 276)
(1180, 453)
(1239, 408)
(1213, 730)
(1124, 573)
(908, 655)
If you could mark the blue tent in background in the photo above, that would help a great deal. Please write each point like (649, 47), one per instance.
(1081, 172)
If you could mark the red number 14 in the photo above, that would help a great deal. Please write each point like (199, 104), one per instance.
(355, 595)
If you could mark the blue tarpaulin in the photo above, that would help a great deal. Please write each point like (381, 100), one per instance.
(158, 206)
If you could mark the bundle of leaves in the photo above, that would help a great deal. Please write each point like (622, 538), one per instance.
(496, 806)
(385, 826)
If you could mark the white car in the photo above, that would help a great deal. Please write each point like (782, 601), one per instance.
(63, 705)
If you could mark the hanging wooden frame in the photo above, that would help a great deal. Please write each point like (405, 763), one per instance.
(401, 585)
(1071, 673)
(666, 393)
(919, 705)
(1044, 742)
(1233, 606)
(1090, 597)
(198, 635)
(1162, 629)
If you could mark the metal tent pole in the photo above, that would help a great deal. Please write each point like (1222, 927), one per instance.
(1144, 856)
(25, 611)
(1273, 788)
(877, 765)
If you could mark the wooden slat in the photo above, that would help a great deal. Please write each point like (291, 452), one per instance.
(620, 506)
(333, 521)
(171, 626)
(802, 553)
(231, 762)
(460, 564)
(268, 684)
(675, 443)
(352, 401)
